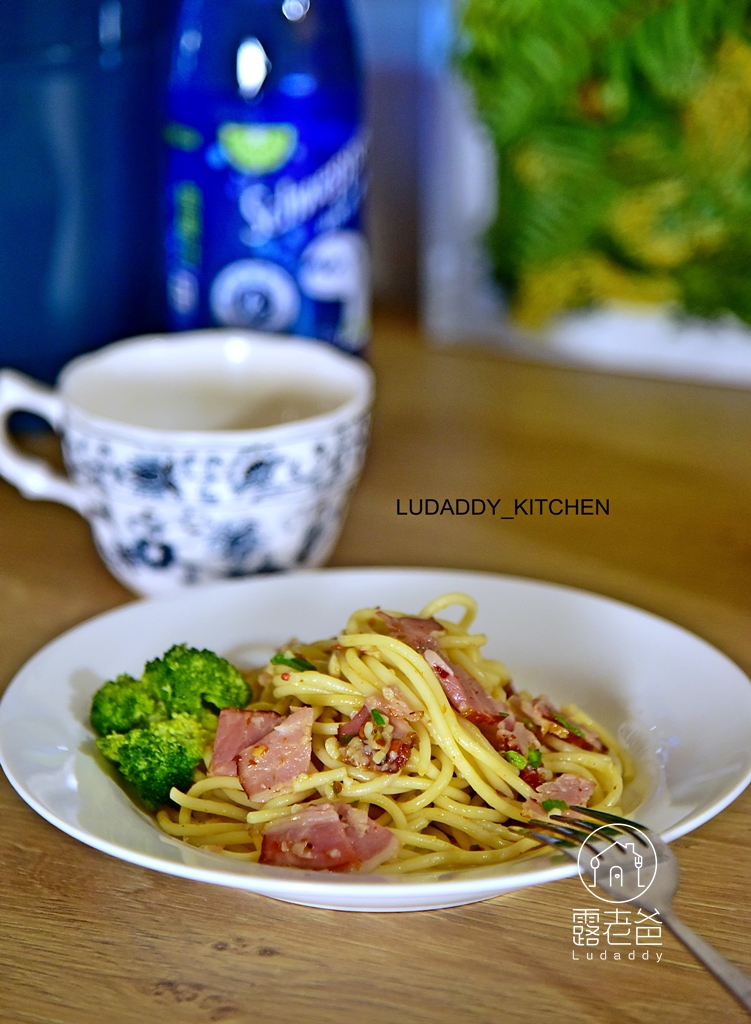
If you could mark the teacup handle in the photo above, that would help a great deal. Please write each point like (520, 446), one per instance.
(33, 477)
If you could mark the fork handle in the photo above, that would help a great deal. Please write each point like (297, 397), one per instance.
(731, 977)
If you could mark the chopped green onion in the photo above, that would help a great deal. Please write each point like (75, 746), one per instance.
(298, 664)
(569, 725)
(518, 760)
(534, 756)
(554, 805)
(346, 738)
(377, 717)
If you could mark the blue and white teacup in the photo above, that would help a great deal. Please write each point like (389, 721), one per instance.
(202, 455)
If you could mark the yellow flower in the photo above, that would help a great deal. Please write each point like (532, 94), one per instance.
(548, 291)
(636, 221)
(535, 168)
(717, 121)
(656, 226)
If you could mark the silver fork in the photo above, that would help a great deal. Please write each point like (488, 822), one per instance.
(610, 841)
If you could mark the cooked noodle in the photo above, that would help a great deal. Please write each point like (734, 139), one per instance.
(457, 802)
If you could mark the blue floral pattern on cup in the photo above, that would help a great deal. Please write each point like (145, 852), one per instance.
(174, 507)
(262, 508)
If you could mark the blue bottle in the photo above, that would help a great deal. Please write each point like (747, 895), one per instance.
(266, 171)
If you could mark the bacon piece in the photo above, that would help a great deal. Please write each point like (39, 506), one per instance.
(278, 757)
(235, 731)
(543, 714)
(510, 734)
(470, 699)
(535, 777)
(353, 726)
(313, 837)
(539, 712)
(379, 748)
(569, 787)
(572, 789)
(327, 837)
(373, 843)
(419, 634)
(466, 695)
(589, 740)
(396, 706)
(532, 809)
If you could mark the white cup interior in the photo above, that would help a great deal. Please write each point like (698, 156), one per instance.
(214, 380)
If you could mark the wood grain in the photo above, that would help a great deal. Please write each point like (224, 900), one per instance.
(86, 938)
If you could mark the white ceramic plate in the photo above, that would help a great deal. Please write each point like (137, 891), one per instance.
(631, 670)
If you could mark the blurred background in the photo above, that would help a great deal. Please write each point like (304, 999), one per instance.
(79, 185)
(82, 88)
(574, 187)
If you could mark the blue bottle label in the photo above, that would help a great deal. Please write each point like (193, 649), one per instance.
(264, 225)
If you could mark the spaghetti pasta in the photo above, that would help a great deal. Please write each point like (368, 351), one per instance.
(394, 746)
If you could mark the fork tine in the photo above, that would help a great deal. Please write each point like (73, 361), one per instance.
(581, 838)
(591, 826)
(552, 841)
(612, 819)
(562, 829)
(607, 817)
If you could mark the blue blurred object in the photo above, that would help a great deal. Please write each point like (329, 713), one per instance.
(79, 179)
(266, 171)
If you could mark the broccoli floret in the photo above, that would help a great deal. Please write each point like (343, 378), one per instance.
(155, 759)
(187, 679)
(155, 729)
(125, 703)
(110, 745)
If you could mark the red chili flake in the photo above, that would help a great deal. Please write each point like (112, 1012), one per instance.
(285, 676)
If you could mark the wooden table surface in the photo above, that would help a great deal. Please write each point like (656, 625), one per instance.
(87, 939)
